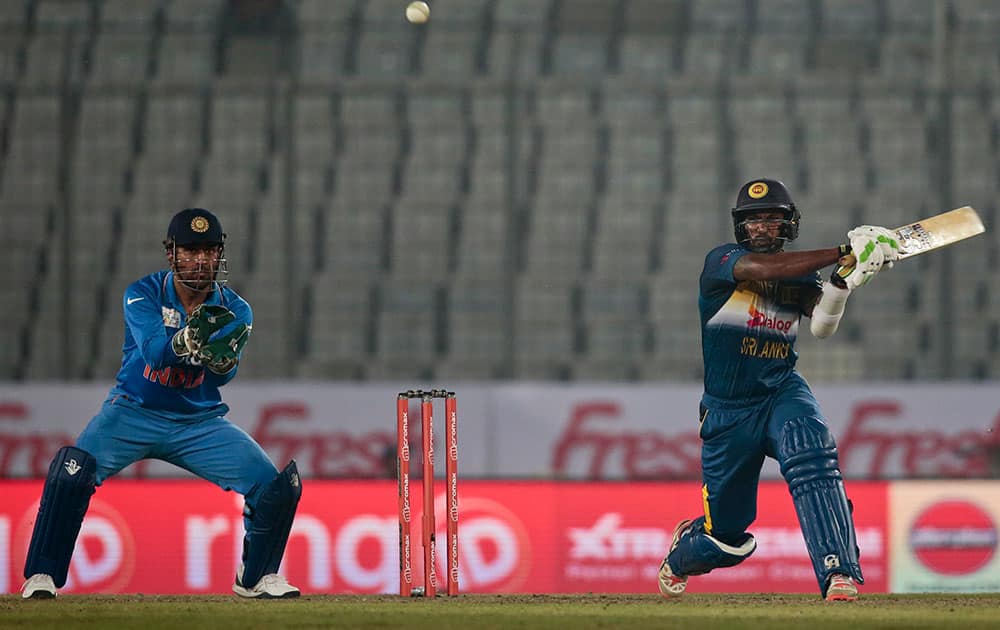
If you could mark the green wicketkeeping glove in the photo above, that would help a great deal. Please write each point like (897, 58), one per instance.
(204, 320)
(221, 354)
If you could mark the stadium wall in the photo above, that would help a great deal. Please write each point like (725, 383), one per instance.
(539, 431)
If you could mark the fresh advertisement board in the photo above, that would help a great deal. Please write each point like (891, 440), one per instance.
(548, 431)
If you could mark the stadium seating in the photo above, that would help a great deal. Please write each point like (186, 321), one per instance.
(518, 189)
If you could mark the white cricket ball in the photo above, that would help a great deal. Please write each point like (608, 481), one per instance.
(417, 12)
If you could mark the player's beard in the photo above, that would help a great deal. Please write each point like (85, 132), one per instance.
(200, 279)
(766, 244)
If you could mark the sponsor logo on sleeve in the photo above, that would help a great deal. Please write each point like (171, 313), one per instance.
(171, 317)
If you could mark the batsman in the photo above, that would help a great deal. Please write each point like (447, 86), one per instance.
(184, 333)
(755, 405)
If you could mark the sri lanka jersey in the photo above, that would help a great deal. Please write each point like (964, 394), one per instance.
(152, 376)
(748, 329)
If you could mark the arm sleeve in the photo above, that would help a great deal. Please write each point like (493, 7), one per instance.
(717, 276)
(830, 308)
(244, 314)
(145, 321)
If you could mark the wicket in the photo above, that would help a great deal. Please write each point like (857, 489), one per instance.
(428, 525)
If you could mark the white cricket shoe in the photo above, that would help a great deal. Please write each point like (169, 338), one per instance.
(672, 585)
(841, 588)
(271, 586)
(39, 586)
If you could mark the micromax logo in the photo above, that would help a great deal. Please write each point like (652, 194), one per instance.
(453, 430)
(454, 554)
(406, 497)
(404, 452)
(453, 491)
(405, 560)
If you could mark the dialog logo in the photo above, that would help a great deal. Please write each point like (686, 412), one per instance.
(954, 537)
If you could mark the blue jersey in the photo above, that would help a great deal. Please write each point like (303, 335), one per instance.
(748, 329)
(152, 376)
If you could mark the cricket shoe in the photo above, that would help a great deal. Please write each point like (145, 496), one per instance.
(39, 586)
(672, 585)
(271, 586)
(841, 588)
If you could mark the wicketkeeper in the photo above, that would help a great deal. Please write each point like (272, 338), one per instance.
(184, 333)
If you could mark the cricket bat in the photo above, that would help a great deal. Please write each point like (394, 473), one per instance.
(931, 233)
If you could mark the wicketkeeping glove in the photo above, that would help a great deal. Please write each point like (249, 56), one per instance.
(222, 352)
(204, 320)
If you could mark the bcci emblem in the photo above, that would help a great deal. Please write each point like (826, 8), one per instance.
(72, 467)
(199, 225)
(757, 190)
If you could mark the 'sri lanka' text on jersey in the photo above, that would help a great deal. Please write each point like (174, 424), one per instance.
(748, 329)
(152, 376)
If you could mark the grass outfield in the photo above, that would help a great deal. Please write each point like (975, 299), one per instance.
(503, 611)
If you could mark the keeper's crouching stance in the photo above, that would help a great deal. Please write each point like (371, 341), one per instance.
(755, 405)
(268, 515)
(184, 334)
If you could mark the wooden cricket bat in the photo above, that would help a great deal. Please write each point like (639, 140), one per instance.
(944, 229)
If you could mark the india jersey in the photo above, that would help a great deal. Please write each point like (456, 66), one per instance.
(152, 376)
(748, 329)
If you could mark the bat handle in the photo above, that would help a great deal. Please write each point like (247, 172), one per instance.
(845, 265)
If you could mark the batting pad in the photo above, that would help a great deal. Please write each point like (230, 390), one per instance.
(808, 458)
(65, 499)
